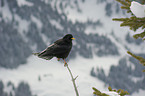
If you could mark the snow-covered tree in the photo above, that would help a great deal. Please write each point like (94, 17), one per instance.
(136, 21)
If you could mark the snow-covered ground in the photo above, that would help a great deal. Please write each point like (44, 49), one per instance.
(51, 78)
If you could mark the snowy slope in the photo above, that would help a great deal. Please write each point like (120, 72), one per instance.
(51, 78)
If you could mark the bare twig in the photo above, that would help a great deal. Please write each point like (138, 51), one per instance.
(73, 80)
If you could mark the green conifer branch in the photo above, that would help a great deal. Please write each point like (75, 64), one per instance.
(98, 93)
(73, 80)
(141, 35)
(133, 22)
(120, 92)
(125, 5)
(143, 26)
(139, 58)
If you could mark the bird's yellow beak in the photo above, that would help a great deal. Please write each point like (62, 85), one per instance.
(73, 38)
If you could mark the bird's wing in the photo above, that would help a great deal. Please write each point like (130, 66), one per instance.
(53, 50)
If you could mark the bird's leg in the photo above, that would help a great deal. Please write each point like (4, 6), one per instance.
(65, 62)
(58, 59)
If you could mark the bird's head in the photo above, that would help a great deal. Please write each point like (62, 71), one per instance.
(68, 37)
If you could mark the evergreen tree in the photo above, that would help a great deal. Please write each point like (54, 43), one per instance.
(134, 23)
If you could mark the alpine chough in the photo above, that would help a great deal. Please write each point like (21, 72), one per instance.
(59, 49)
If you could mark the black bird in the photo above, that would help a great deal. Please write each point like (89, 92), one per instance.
(59, 49)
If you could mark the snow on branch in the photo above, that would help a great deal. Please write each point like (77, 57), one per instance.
(137, 9)
(137, 20)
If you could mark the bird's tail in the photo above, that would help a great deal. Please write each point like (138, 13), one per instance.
(36, 54)
(41, 56)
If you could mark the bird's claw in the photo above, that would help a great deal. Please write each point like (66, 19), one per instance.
(65, 64)
(58, 59)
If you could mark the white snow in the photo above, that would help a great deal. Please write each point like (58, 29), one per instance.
(88, 12)
(56, 24)
(119, 45)
(140, 93)
(137, 9)
(37, 21)
(129, 64)
(111, 93)
(91, 30)
(24, 2)
(6, 13)
(45, 39)
(8, 89)
(93, 11)
(23, 24)
(55, 78)
(136, 79)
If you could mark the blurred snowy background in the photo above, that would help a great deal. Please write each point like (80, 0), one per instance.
(98, 56)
